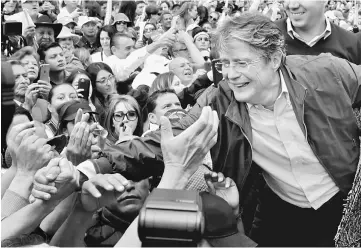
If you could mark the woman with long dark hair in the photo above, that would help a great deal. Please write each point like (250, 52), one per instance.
(103, 84)
(104, 37)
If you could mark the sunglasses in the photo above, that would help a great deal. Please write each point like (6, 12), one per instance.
(213, 18)
(121, 22)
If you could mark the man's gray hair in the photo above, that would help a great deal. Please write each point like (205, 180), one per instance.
(255, 29)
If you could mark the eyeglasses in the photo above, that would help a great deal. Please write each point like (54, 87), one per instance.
(110, 78)
(239, 66)
(119, 116)
(121, 22)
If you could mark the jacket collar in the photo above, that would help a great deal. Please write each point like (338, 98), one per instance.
(114, 221)
(238, 113)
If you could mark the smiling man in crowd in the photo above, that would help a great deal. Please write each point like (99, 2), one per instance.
(307, 31)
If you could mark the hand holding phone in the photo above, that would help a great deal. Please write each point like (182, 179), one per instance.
(59, 142)
(85, 85)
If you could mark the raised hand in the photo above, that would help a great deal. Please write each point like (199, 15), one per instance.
(44, 88)
(33, 153)
(102, 190)
(16, 135)
(81, 140)
(188, 149)
(31, 95)
(223, 187)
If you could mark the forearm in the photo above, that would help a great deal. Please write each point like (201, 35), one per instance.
(195, 54)
(174, 178)
(26, 219)
(22, 184)
(7, 178)
(55, 219)
(71, 233)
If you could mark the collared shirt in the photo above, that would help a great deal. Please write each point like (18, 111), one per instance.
(122, 68)
(291, 32)
(280, 148)
(92, 47)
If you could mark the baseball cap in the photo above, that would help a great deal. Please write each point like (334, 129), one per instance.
(68, 110)
(221, 227)
(85, 19)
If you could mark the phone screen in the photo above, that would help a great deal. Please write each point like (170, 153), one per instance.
(217, 76)
(85, 85)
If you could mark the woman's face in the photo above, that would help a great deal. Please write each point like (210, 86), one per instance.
(202, 42)
(148, 29)
(62, 94)
(121, 26)
(66, 43)
(193, 13)
(177, 85)
(10, 6)
(164, 7)
(105, 83)
(79, 76)
(31, 66)
(124, 127)
(104, 40)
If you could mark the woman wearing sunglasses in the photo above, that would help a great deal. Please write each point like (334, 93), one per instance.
(123, 119)
(121, 23)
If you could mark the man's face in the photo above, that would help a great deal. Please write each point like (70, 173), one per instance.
(167, 21)
(131, 201)
(164, 103)
(123, 46)
(182, 68)
(55, 58)
(21, 80)
(304, 14)
(44, 35)
(32, 7)
(251, 83)
(139, 10)
(71, 2)
(90, 29)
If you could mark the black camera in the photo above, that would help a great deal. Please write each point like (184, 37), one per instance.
(11, 39)
(171, 218)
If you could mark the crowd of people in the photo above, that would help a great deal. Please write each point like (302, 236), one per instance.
(252, 104)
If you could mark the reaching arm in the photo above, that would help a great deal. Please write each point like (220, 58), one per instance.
(7, 178)
(26, 219)
(71, 233)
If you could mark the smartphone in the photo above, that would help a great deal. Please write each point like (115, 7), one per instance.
(59, 142)
(44, 72)
(217, 76)
(85, 85)
(12, 28)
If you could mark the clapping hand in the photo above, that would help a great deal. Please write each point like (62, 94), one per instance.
(81, 140)
(102, 190)
(223, 187)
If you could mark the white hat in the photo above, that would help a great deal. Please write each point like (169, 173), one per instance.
(330, 15)
(85, 19)
(66, 33)
(66, 20)
(191, 27)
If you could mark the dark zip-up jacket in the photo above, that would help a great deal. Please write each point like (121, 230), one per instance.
(323, 90)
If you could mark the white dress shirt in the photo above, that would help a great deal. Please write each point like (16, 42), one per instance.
(280, 148)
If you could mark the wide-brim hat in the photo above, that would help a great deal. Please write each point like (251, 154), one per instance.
(66, 33)
(120, 17)
(45, 21)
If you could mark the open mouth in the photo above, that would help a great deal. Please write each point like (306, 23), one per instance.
(297, 14)
(61, 65)
(188, 73)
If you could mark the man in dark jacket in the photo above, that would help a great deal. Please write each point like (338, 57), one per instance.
(289, 118)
